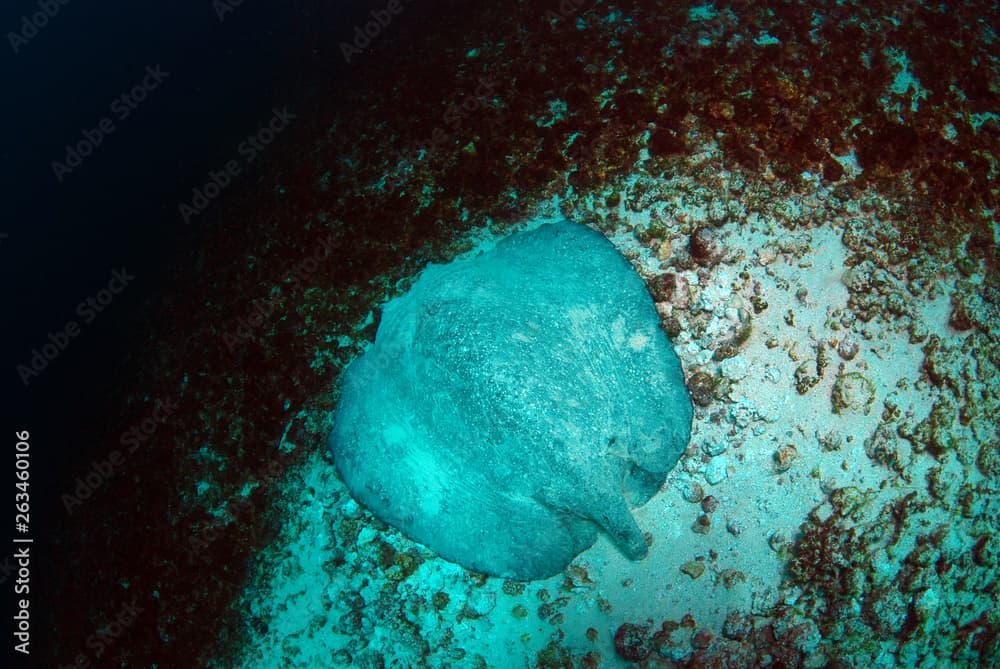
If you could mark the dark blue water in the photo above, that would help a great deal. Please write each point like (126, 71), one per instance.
(106, 227)
(197, 79)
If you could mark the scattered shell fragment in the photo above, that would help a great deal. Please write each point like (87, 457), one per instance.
(703, 525)
(852, 392)
(693, 568)
(716, 471)
(784, 457)
(713, 448)
(777, 542)
(848, 347)
(730, 577)
(705, 247)
(692, 491)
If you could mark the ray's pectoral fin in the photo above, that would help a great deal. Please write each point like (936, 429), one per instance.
(605, 507)
(614, 516)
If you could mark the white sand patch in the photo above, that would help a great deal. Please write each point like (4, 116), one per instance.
(767, 454)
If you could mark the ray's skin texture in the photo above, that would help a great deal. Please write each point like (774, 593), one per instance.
(515, 404)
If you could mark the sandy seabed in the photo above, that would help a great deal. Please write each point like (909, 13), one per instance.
(821, 379)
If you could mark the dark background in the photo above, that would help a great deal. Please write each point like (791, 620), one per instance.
(119, 208)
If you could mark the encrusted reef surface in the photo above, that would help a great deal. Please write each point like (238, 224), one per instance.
(808, 190)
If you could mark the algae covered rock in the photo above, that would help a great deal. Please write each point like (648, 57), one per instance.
(515, 403)
(852, 392)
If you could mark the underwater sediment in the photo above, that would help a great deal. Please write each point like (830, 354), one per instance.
(809, 193)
